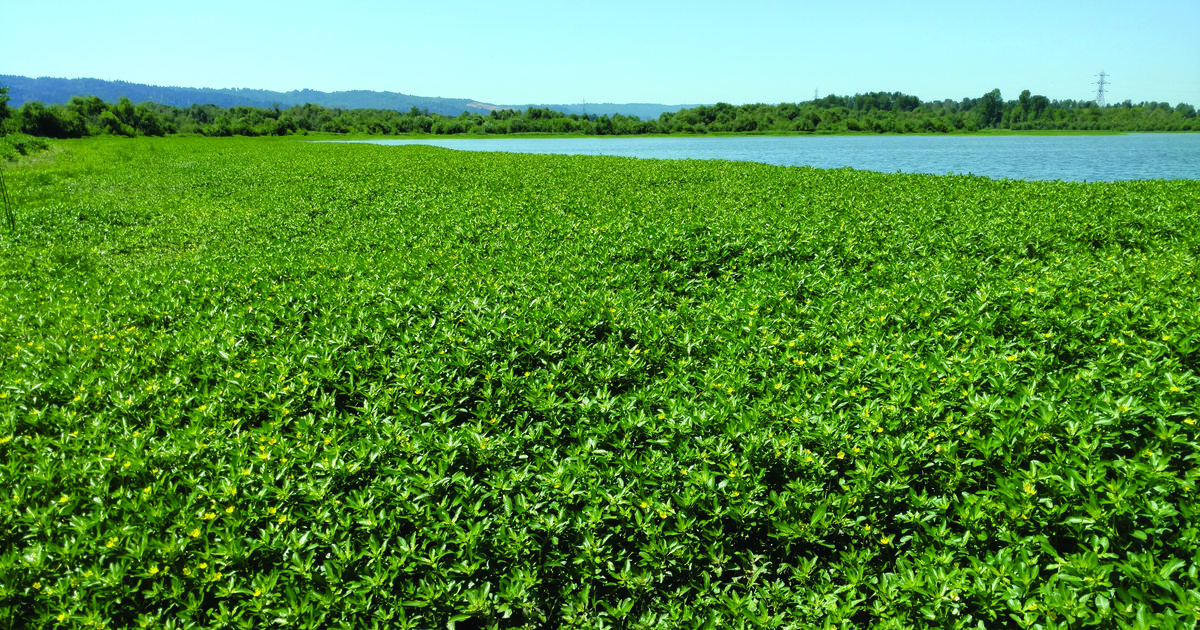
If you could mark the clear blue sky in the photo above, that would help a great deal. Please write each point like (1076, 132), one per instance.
(702, 51)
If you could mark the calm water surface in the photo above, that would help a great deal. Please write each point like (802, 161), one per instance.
(1074, 158)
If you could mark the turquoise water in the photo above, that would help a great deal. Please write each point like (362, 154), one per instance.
(1073, 158)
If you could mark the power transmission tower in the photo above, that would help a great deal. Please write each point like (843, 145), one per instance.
(1100, 89)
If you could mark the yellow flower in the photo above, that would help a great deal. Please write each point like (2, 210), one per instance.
(195, 533)
(64, 498)
(644, 505)
(885, 540)
(229, 510)
(841, 455)
(153, 570)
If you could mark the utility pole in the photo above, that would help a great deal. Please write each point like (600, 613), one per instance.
(1100, 89)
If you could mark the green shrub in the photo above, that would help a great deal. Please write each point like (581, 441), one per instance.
(17, 144)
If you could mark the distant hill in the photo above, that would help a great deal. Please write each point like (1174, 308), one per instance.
(51, 91)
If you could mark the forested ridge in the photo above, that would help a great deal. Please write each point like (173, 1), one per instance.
(875, 112)
(58, 90)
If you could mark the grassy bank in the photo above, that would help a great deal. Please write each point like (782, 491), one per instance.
(248, 382)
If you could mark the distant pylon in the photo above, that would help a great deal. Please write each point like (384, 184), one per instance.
(1100, 89)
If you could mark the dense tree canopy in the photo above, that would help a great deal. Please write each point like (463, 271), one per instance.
(875, 112)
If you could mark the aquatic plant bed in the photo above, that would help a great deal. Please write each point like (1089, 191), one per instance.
(256, 382)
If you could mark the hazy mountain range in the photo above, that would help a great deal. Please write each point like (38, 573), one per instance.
(50, 90)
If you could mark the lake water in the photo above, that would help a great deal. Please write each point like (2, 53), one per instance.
(1074, 158)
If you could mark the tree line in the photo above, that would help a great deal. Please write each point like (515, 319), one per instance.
(875, 112)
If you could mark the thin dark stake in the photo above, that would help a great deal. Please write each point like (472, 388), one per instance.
(10, 220)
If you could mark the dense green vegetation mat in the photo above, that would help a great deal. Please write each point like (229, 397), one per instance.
(253, 382)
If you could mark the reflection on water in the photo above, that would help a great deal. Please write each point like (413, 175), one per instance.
(1075, 158)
